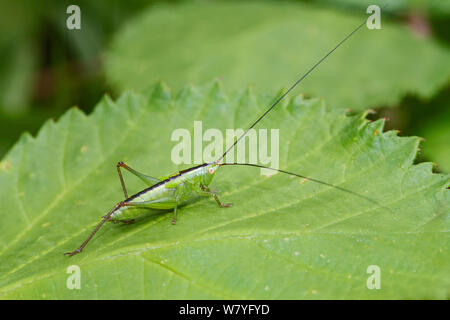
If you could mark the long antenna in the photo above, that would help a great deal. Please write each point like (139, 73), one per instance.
(311, 179)
(291, 88)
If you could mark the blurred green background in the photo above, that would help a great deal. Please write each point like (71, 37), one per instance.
(46, 68)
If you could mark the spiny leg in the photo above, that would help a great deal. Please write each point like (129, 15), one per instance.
(147, 179)
(105, 218)
(119, 165)
(214, 194)
(124, 221)
(108, 218)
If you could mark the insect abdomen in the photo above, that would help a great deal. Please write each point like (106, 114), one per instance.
(161, 197)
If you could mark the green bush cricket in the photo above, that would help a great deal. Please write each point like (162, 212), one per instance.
(169, 192)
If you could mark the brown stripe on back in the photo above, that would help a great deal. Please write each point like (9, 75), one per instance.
(164, 182)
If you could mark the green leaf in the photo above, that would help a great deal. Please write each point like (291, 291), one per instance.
(270, 45)
(282, 238)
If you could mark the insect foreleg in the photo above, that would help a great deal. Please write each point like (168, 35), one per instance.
(207, 191)
(147, 179)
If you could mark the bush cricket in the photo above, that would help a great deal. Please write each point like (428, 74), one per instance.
(168, 192)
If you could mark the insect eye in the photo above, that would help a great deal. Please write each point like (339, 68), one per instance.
(211, 170)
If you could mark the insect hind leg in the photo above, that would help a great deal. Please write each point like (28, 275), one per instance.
(147, 179)
(124, 221)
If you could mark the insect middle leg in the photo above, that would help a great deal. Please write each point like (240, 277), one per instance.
(175, 208)
(174, 218)
(207, 191)
(147, 204)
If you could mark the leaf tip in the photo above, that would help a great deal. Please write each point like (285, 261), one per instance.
(161, 91)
